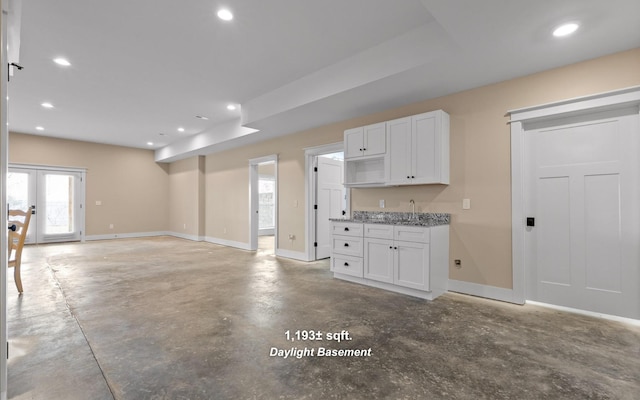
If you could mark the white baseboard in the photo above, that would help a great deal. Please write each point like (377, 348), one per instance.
(229, 243)
(295, 255)
(630, 321)
(195, 238)
(486, 291)
(124, 235)
(267, 232)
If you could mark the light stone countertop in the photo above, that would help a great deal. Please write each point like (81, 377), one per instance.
(397, 218)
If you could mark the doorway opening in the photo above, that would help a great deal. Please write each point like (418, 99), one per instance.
(263, 208)
(327, 197)
(56, 196)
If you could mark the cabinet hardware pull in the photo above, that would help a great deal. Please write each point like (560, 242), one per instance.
(361, 149)
(346, 229)
(365, 149)
(395, 248)
(391, 247)
(346, 264)
(346, 245)
(413, 177)
(408, 177)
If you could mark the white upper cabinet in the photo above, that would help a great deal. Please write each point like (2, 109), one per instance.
(418, 149)
(365, 141)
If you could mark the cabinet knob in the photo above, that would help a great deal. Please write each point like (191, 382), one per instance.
(346, 245)
(346, 264)
(408, 177)
(413, 177)
(391, 247)
(395, 248)
(365, 149)
(346, 229)
(361, 149)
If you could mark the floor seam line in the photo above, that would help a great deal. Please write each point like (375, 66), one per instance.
(86, 339)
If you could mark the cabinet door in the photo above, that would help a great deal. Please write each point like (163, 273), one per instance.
(399, 151)
(353, 142)
(411, 265)
(378, 260)
(426, 154)
(375, 139)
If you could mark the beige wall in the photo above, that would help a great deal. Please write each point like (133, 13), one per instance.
(133, 188)
(480, 167)
(186, 197)
(139, 195)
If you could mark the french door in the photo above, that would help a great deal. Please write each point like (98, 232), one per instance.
(56, 197)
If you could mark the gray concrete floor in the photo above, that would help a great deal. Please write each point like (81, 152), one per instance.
(165, 318)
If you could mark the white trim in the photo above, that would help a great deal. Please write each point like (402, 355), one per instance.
(630, 321)
(486, 291)
(43, 167)
(126, 235)
(295, 255)
(310, 153)
(4, 162)
(613, 100)
(194, 238)
(228, 243)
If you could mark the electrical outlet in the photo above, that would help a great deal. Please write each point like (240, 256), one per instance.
(292, 236)
(466, 204)
(458, 263)
(381, 203)
(110, 226)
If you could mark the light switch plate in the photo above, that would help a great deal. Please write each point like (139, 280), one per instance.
(466, 204)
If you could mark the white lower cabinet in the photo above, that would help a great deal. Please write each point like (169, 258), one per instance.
(406, 259)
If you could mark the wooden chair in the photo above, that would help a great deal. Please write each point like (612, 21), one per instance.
(20, 220)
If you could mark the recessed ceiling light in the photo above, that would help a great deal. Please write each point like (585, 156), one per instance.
(202, 117)
(62, 61)
(225, 15)
(565, 29)
(47, 105)
(181, 129)
(39, 128)
(231, 107)
(149, 143)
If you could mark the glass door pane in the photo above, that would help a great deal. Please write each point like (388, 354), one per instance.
(21, 188)
(59, 206)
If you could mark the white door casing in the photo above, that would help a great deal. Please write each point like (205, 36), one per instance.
(329, 198)
(586, 233)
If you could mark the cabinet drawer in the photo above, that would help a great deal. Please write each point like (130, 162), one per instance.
(412, 234)
(346, 228)
(346, 245)
(347, 265)
(378, 231)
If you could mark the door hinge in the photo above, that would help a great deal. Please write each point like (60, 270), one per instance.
(7, 350)
(315, 206)
(315, 169)
(315, 244)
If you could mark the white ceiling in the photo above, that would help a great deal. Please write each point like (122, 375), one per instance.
(146, 67)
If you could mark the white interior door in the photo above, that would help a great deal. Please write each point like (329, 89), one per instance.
(582, 190)
(330, 201)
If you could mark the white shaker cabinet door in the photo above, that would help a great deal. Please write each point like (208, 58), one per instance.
(411, 265)
(378, 259)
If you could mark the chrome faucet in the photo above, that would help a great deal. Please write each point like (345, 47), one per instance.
(413, 208)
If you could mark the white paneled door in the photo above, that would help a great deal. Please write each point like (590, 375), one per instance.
(56, 197)
(583, 242)
(330, 199)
